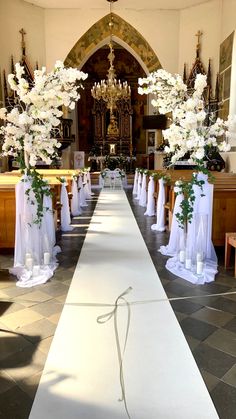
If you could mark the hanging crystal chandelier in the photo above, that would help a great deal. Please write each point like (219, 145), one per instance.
(111, 90)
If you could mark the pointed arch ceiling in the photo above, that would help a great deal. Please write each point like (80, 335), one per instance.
(123, 31)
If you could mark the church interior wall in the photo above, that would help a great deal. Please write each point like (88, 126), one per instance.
(206, 18)
(159, 28)
(17, 14)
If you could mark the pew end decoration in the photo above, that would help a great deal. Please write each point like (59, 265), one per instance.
(192, 133)
(29, 134)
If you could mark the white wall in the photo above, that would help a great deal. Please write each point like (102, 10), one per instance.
(63, 28)
(14, 15)
(228, 22)
(207, 18)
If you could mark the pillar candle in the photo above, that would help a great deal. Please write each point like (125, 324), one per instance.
(29, 263)
(199, 268)
(182, 255)
(46, 258)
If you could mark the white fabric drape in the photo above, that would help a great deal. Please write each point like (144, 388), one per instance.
(82, 199)
(86, 186)
(202, 209)
(143, 193)
(33, 240)
(75, 204)
(89, 183)
(150, 198)
(139, 186)
(135, 187)
(160, 224)
(65, 209)
(173, 246)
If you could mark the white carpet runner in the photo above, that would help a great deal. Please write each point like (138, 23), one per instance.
(81, 374)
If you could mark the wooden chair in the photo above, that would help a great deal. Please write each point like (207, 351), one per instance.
(230, 241)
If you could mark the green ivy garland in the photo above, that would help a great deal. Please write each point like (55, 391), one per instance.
(40, 187)
(187, 189)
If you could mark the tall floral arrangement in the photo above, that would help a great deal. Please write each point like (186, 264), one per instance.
(29, 132)
(188, 132)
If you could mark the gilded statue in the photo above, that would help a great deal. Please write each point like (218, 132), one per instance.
(113, 127)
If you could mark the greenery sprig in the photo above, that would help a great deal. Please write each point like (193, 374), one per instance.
(187, 189)
(40, 187)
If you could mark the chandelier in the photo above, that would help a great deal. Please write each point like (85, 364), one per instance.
(111, 90)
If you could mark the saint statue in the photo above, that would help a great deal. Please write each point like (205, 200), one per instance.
(113, 127)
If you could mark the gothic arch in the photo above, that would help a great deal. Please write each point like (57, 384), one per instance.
(124, 33)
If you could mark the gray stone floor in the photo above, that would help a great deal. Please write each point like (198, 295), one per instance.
(27, 325)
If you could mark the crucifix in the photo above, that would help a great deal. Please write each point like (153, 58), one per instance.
(23, 33)
(198, 34)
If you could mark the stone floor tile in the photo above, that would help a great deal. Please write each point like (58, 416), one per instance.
(6, 382)
(43, 327)
(196, 328)
(213, 316)
(224, 398)
(224, 305)
(231, 325)
(15, 404)
(193, 343)
(30, 384)
(230, 376)
(27, 363)
(48, 308)
(212, 360)
(223, 340)
(210, 380)
(185, 306)
(11, 344)
(22, 318)
(44, 345)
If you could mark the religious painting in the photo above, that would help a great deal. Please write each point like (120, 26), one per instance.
(151, 138)
(78, 159)
(226, 49)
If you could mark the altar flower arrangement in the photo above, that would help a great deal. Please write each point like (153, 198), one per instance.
(188, 132)
(30, 128)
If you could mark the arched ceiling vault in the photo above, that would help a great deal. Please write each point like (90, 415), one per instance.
(124, 33)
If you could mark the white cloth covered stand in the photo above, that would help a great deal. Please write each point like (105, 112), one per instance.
(86, 186)
(75, 204)
(208, 260)
(82, 199)
(160, 224)
(150, 198)
(35, 250)
(139, 186)
(135, 187)
(65, 209)
(143, 193)
(89, 183)
(173, 246)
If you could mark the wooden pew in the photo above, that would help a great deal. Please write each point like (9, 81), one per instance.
(7, 207)
(224, 203)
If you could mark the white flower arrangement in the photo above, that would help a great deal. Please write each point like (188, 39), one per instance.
(30, 126)
(188, 133)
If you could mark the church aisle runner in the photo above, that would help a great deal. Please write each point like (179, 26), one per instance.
(81, 375)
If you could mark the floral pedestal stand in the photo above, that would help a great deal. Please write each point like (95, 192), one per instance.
(160, 224)
(150, 211)
(35, 250)
(201, 265)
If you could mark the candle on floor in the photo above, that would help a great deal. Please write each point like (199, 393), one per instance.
(188, 263)
(46, 258)
(199, 268)
(199, 257)
(182, 255)
(29, 263)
